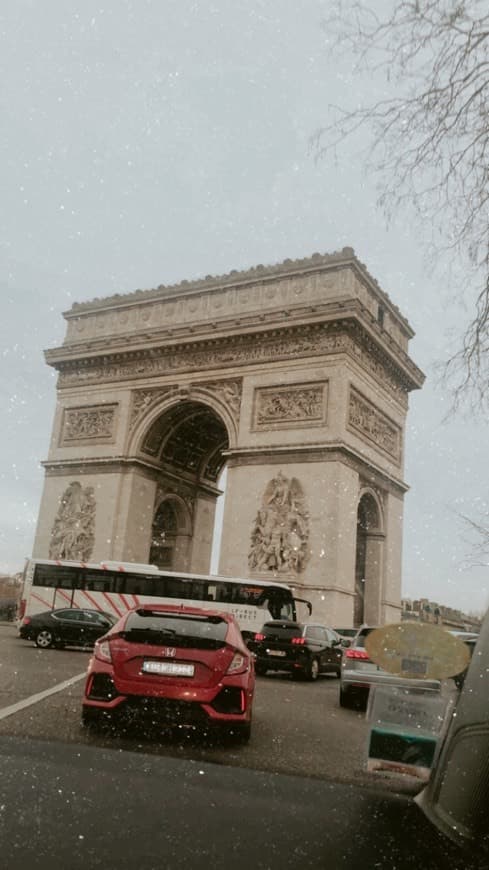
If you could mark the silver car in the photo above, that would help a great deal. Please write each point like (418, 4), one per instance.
(359, 673)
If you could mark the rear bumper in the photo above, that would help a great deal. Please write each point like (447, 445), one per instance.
(366, 679)
(230, 701)
(296, 664)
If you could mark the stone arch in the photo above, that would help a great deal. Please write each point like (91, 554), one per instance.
(280, 366)
(170, 533)
(369, 558)
(182, 441)
(162, 404)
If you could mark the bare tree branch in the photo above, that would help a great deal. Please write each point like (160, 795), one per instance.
(478, 555)
(429, 144)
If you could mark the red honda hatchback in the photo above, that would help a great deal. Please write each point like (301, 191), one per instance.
(176, 665)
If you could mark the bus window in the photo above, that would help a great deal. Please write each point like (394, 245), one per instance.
(98, 581)
(61, 578)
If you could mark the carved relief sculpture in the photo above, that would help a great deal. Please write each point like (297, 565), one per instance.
(373, 424)
(94, 423)
(228, 392)
(281, 528)
(296, 404)
(73, 532)
(143, 400)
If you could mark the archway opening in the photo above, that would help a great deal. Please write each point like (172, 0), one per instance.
(186, 444)
(367, 565)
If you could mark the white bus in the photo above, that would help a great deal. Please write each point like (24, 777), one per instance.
(116, 587)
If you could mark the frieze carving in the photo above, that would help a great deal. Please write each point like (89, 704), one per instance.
(281, 528)
(373, 424)
(311, 341)
(73, 532)
(291, 405)
(94, 423)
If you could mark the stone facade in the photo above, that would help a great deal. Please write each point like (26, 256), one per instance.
(296, 377)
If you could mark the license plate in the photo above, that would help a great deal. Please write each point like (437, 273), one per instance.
(367, 667)
(169, 669)
(276, 652)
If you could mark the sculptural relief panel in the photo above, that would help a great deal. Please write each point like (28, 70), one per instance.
(93, 423)
(280, 530)
(371, 423)
(73, 531)
(290, 406)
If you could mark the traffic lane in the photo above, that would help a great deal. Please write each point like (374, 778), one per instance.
(83, 806)
(298, 728)
(26, 670)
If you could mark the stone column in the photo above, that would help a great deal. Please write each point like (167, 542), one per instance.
(132, 515)
(203, 531)
(391, 596)
(374, 578)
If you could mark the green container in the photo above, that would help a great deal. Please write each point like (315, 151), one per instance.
(402, 748)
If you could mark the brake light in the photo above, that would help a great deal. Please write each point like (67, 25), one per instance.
(299, 641)
(357, 654)
(26, 620)
(259, 636)
(102, 651)
(239, 664)
(22, 607)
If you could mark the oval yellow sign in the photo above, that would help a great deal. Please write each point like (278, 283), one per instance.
(417, 651)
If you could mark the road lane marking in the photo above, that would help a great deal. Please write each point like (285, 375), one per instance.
(33, 699)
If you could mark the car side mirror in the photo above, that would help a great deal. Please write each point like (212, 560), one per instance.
(345, 643)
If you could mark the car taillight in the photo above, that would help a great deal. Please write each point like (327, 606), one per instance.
(26, 620)
(102, 651)
(22, 607)
(239, 664)
(259, 636)
(299, 641)
(356, 654)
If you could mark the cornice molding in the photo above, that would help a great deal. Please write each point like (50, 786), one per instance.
(120, 464)
(350, 335)
(370, 473)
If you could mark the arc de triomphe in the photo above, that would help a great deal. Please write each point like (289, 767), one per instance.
(295, 377)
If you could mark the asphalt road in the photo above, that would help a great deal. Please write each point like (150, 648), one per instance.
(298, 727)
(82, 807)
(297, 796)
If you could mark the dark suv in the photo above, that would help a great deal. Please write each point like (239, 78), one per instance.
(303, 650)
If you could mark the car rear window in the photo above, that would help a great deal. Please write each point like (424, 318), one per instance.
(168, 629)
(360, 641)
(281, 630)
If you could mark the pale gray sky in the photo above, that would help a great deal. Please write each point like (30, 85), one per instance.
(145, 142)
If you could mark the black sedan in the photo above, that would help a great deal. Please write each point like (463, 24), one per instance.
(304, 650)
(66, 627)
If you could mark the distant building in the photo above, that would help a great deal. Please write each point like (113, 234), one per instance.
(424, 610)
